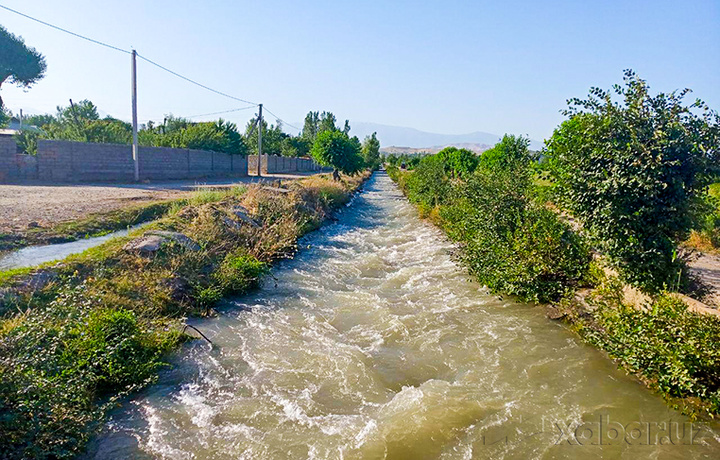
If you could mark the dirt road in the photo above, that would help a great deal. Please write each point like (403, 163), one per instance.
(22, 206)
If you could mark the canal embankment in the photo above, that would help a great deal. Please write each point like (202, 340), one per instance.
(78, 334)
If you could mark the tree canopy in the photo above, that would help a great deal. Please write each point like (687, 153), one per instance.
(19, 64)
(371, 151)
(338, 150)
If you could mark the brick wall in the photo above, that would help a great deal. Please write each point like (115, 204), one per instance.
(279, 164)
(66, 161)
(15, 167)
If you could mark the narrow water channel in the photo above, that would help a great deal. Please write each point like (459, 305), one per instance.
(32, 256)
(372, 343)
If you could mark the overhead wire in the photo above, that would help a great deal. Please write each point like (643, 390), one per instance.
(98, 42)
(194, 82)
(220, 113)
(280, 119)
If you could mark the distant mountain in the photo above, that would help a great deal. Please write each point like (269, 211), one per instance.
(477, 148)
(397, 136)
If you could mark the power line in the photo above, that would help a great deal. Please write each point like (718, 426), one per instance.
(128, 52)
(194, 82)
(281, 120)
(66, 31)
(220, 113)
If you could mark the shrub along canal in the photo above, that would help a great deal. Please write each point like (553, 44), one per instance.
(373, 343)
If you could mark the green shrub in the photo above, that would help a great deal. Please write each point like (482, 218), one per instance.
(676, 349)
(633, 172)
(112, 350)
(512, 244)
(428, 185)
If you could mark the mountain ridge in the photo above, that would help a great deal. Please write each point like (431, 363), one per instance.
(412, 138)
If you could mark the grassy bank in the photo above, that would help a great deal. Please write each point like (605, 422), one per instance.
(516, 243)
(77, 336)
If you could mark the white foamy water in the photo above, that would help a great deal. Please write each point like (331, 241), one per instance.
(373, 343)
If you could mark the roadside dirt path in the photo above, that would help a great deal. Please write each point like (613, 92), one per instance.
(706, 267)
(22, 206)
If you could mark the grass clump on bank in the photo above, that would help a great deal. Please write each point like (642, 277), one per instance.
(82, 333)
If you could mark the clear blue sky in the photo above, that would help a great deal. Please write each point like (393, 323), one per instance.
(450, 67)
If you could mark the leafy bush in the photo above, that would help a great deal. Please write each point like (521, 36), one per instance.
(428, 185)
(26, 141)
(674, 348)
(458, 163)
(632, 173)
(55, 362)
(511, 243)
(112, 350)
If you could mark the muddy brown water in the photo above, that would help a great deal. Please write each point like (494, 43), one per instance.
(373, 343)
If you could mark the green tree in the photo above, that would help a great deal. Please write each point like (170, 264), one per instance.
(510, 153)
(458, 163)
(218, 136)
(295, 146)
(371, 151)
(633, 171)
(310, 128)
(272, 138)
(336, 149)
(19, 64)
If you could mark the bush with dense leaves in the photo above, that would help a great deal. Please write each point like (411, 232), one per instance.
(511, 242)
(633, 173)
(676, 349)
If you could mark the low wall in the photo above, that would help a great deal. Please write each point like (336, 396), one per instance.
(274, 164)
(67, 161)
(15, 167)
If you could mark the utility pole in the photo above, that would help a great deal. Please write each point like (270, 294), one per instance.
(259, 171)
(134, 117)
(21, 119)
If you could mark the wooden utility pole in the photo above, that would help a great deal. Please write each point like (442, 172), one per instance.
(259, 167)
(134, 117)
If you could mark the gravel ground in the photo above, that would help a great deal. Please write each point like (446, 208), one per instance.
(22, 206)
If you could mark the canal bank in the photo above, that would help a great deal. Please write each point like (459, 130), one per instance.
(373, 343)
(77, 335)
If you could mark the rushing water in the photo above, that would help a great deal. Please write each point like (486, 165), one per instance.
(372, 343)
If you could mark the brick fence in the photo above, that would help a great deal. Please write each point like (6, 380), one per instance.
(15, 167)
(273, 164)
(68, 161)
